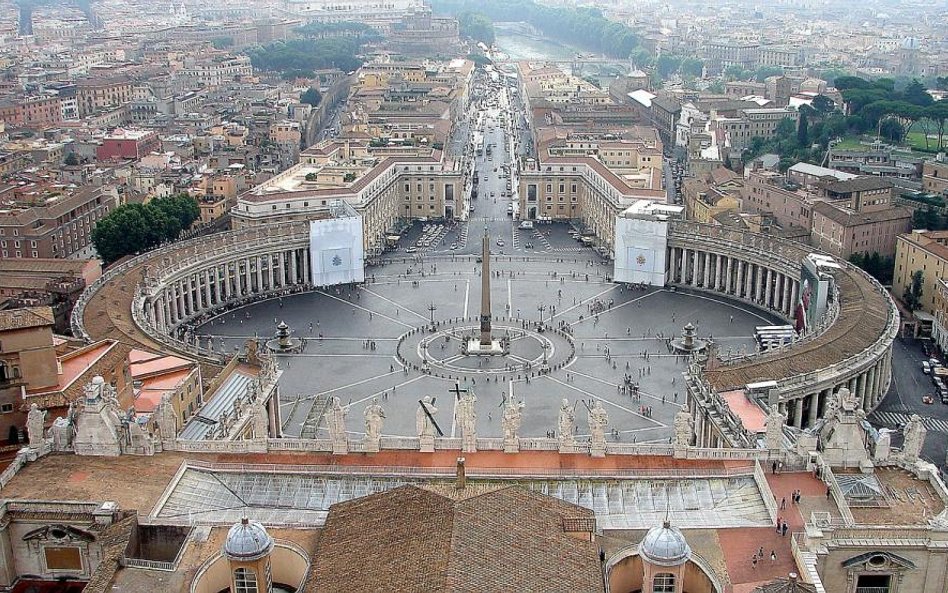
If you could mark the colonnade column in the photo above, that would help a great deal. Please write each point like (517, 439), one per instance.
(259, 262)
(798, 413)
(707, 269)
(814, 408)
(293, 259)
(729, 264)
(739, 286)
(718, 263)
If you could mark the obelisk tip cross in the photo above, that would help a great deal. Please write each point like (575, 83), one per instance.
(486, 338)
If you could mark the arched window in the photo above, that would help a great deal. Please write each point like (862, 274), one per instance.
(245, 581)
(663, 583)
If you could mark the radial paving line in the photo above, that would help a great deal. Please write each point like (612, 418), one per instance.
(387, 300)
(383, 316)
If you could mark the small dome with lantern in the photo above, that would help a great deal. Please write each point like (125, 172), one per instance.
(247, 541)
(665, 546)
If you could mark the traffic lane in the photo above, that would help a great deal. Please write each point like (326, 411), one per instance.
(909, 386)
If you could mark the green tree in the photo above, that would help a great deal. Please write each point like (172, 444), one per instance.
(917, 94)
(476, 26)
(311, 96)
(133, 228)
(823, 104)
(892, 130)
(71, 159)
(803, 129)
(222, 42)
(913, 293)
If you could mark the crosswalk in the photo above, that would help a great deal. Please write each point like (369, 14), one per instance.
(900, 419)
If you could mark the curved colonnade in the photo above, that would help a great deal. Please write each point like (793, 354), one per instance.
(147, 298)
(850, 348)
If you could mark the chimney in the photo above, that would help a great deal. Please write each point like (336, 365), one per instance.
(461, 479)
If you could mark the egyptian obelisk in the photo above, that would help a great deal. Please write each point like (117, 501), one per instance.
(486, 339)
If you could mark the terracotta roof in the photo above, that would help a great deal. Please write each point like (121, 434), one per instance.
(416, 540)
(864, 183)
(721, 175)
(26, 317)
(848, 218)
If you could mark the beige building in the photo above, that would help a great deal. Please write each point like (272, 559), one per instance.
(383, 186)
(935, 176)
(717, 192)
(925, 251)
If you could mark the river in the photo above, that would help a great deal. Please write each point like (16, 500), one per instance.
(521, 47)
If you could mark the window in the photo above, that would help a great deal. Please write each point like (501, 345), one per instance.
(6, 408)
(663, 583)
(245, 581)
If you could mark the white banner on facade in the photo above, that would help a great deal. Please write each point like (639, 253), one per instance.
(640, 250)
(336, 253)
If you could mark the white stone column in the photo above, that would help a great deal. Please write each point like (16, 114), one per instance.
(872, 386)
(727, 275)
(685, 262)
(798, 412)
(282, 276)
(718, 264)
(794, 287)
(814, 408)
(206, 276)
(862, 392)
(305, 257)
(739, 286)
(259, 261)
(748, 281)
(294, 256)
(182, 307)
(759, 288)
(707, 269)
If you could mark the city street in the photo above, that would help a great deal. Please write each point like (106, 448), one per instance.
(909, 385)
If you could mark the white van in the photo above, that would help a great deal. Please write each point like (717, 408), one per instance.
(526, 224)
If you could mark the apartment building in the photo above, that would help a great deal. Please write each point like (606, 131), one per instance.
(384, 185)
(96, 94)
(753, 123)
(57, 225)
(924, 251)
(127, 145)
(935, 176)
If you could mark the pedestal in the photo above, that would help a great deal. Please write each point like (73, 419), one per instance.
(371, 445)
(340, 446)
(597, 448)
(426, 444)
(475, 348)
(512, 445)
(468, 444)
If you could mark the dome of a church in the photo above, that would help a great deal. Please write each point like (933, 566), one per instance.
(247, 540)
(665, 546)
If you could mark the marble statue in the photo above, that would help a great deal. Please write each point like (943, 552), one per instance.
(773, 438)
(513, 416)
(684, 428)
(35, 422)
(566, 424)
(62, 432)
(424, 424)
(336, 421)
(260, 419)
(467, 421)
(598, 419)
(914, 438)
(374, 419)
